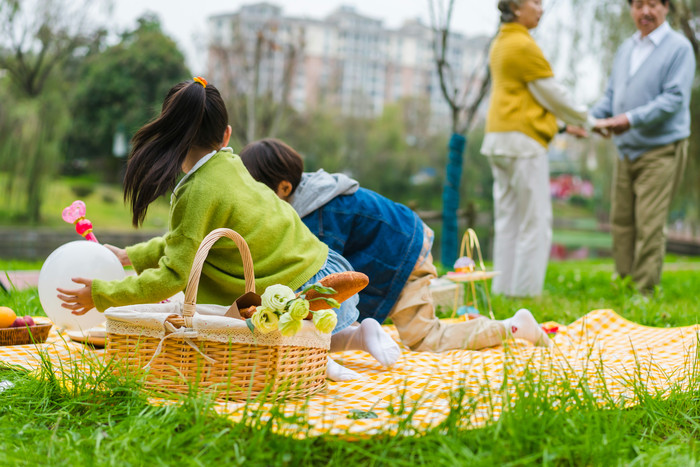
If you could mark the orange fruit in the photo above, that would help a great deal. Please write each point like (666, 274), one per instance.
(7, 317)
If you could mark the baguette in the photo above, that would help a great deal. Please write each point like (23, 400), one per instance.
(346, 284)
(248, 312)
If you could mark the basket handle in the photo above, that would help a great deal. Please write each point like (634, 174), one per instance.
(201, 255)
(469, 242)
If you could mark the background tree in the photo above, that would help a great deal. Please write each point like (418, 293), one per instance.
(257, 79)
(382, 153)
(121, 88)
(684, 16)
(38, 37)
(463, 100)
(37, 41)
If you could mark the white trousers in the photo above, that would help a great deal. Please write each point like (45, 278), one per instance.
(523, 223)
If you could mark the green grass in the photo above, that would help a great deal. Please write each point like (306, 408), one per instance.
(577, 238)
(104, 203)
(571, 211)
(20, 264)
(43, 422)
(573, 288)
(23, 302)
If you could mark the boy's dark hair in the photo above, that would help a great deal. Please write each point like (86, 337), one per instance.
(193, 116)
(271, 161)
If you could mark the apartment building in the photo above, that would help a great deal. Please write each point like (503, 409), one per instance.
(346, 60)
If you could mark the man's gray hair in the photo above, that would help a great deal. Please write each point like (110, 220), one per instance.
(506, 9)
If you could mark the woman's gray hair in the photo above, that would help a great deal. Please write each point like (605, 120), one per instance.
(506, 9)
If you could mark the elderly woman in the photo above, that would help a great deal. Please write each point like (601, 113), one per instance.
(526, 102)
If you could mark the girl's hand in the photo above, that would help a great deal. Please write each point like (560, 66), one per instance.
(120, 253)
(78, 300)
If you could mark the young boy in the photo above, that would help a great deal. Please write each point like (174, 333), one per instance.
(386, 241)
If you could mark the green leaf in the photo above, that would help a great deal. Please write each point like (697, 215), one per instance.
(356, 414)
(320, 289)
(249, 322)
(332, 302)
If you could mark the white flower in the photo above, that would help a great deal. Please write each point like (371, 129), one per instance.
(265, 320)
(289, 326)
(276, 297)
(299, 309)
(325, 320)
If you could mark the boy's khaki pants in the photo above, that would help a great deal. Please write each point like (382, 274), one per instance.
(419, 328)
(642, 193)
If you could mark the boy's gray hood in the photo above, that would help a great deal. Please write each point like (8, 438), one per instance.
(318, 188)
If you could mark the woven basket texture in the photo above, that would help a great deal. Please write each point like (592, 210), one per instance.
(25, 335)
(240, 372)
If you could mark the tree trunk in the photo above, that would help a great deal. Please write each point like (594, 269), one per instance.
(450, 200)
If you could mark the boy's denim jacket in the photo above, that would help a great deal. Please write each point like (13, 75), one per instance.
(379, 237)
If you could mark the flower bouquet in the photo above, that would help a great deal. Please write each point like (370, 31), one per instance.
(282, 309)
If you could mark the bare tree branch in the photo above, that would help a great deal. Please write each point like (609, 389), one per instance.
(257, 91)
(441, 32)
(684, 17)
(290, 67)
(468, 100)
(252, 95)
(39, 37)
(476, 102)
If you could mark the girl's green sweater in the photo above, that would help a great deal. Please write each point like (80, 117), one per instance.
(220, 193)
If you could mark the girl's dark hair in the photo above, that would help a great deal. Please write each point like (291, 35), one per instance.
(271, 161)
(193, 116)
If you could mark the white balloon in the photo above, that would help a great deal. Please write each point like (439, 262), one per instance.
(81, 258)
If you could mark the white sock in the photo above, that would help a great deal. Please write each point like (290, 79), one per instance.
(379, 343)
(370, 337)
(337, 372)
(524, 326)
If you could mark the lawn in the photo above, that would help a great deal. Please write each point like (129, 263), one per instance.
(43, 422)
(105, 205)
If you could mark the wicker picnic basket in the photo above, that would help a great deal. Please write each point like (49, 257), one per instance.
(196, 347)
(36, 334)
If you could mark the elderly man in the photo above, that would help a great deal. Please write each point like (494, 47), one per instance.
(646, 106)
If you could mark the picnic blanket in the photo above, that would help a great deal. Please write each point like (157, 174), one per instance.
(614, 357)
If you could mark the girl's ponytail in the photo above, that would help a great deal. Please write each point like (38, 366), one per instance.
(193, 116)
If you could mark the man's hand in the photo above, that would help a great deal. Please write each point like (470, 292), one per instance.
(617, 124)
(78, 300)
(601, 130)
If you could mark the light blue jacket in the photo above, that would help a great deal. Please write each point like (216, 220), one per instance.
(657, 96)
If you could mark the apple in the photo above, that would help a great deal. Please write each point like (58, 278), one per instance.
(29, 320)
(19, 323)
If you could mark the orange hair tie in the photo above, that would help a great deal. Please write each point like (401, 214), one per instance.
(200, 80)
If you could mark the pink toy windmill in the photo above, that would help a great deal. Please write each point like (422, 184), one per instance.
(75, 214)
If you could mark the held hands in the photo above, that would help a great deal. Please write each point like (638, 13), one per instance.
(78, 300)
(604, 127)
(617, 125)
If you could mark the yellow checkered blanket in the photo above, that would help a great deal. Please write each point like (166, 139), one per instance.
(609, 353)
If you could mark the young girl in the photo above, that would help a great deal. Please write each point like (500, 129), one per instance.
(384, 240)
(190, 135)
